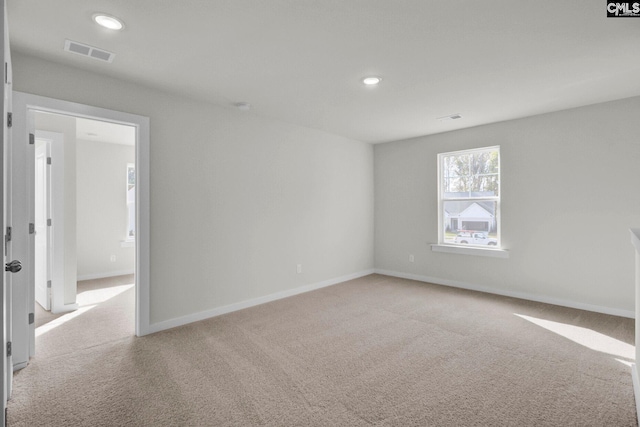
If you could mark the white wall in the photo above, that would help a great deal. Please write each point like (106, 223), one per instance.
(569, 196)
(67, 127)
(236, 200)
(101, 209)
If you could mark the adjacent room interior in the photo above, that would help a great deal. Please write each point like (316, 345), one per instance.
(97, 193)
(360, 213)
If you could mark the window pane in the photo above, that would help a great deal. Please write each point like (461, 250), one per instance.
(131, 177)
(131, 201)
(471, 174)
(455, 173)
(131, 231)
(470, 222)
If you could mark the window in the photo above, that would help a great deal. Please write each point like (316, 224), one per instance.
(469, 197)
(131, 201)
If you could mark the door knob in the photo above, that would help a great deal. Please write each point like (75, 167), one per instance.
(13, 266)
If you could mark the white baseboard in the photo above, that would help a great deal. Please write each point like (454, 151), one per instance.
(195, 317)
(636, 387)
(106, 274)
(522, 295)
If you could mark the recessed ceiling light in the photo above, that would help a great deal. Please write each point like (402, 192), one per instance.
(371, 80)
(108, 21)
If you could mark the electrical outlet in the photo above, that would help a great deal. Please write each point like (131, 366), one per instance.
(299, 268)
(113, 258)
(411, 258)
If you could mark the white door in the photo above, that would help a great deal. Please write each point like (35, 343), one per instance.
(42, 216)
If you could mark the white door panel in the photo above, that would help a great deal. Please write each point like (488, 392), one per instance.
(22, 220)
(42, 214)
(54, 233)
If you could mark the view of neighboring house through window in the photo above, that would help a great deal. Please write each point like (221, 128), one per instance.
(131, 201)
(469, 197)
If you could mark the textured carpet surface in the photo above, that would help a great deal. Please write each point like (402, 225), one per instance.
(371, 351)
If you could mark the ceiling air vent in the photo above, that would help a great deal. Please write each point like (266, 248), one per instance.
(450, 117)
(90, 51)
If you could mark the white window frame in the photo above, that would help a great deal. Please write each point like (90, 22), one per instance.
(442, 246)
(129, 239)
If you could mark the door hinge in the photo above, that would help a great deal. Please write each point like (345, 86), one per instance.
(31, 318)
(7, 239)
(8, 348)
(49, 284)
(32, 228)
(9, 119)
(32, 139)
(49, 222)
(48, 160)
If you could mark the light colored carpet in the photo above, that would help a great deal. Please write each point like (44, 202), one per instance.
(106, 313)
(372, 351)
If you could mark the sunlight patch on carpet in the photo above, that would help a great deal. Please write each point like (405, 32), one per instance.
(586, 337)
(86, 301)
(625, 362)
(62, 320)
(96, 296)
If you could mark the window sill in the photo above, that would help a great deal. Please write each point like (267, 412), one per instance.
(127, 243)
(471, 250)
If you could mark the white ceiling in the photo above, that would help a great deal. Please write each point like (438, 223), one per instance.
(301, 61)
(99, 131)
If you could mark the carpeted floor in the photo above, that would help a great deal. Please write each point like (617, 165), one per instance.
(371, 351)
(106, 313)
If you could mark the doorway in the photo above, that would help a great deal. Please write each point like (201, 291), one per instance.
(25, 107)
(97, 195)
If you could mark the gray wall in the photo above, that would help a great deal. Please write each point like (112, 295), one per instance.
(260, 196)
(569, 195)
(236, 200)
(102, 214)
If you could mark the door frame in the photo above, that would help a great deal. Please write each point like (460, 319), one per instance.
(23, 103)
(43, 210)
(55, 243)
